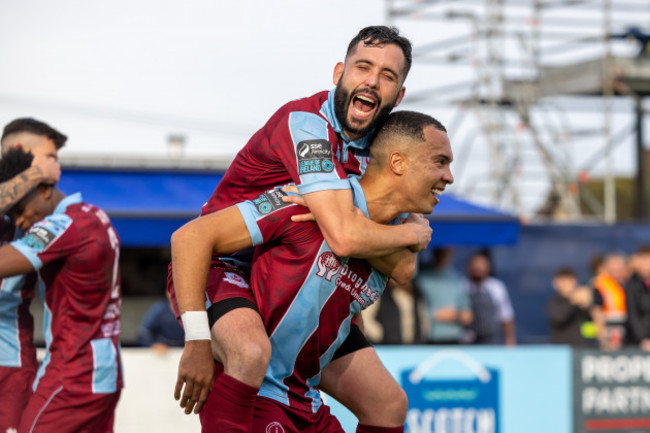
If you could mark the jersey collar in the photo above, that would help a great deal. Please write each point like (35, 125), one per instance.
(67, 201)
(359, 200)
(327, 110)
(359, 197)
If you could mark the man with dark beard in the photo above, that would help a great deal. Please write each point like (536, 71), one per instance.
(316, 143)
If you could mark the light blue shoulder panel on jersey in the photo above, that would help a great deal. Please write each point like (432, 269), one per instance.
(44, 232)
(40, 236)
(10, 300)
(314, 153)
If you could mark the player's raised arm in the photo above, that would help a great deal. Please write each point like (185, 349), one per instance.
(44, 169)
(352, 235)
(192, 245)
(399, 265)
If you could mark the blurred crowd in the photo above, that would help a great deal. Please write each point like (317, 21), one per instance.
(610, 310)
(441, 305)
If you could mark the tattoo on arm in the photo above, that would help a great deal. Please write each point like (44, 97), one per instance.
(13, 190)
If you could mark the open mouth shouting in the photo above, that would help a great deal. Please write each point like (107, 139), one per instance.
(364, 104)
(436, 193)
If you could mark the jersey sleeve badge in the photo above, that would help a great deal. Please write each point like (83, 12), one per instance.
(314, 156)
(270, 201)
(40, 236)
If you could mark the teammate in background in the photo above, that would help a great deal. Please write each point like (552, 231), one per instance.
(306, 294)
(316, 143)
(75, 250)
(18, 355)
(44, 142)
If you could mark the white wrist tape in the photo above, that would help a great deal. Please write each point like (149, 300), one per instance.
(196, 325)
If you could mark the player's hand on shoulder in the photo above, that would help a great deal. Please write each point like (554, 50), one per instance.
(196, 372)
(297, 199)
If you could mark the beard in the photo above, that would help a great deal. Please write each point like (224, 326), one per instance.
(342, 100)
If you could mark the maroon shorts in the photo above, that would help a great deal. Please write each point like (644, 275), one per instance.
(58, 410)
(15, 389)
(225, 281)
(271, 416)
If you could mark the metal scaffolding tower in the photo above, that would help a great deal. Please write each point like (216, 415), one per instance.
(544, 88)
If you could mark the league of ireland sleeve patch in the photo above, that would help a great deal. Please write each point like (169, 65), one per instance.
(270, 201)
(39, 236)
(314, 156)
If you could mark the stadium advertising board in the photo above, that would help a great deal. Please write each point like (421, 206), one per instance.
(456, 402)
(479, 389)
(611, 391)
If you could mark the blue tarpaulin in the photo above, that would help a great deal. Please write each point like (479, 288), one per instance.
(146, 206)
(458, 222)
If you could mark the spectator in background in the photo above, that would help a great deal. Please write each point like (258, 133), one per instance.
(448, 309)
(490, 304)
(569, 311)
(394, 317)
(159, 328)
(609, 310)
(637, 301)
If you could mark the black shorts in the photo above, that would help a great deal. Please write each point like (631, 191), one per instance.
(355, 341)
(218, 309)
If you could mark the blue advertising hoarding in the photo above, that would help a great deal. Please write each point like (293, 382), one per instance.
(491, 389)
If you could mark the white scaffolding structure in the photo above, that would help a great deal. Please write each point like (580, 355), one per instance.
(541, 87)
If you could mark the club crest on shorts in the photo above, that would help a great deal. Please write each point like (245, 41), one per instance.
(235, 280)
(275, 427)
(314, 156)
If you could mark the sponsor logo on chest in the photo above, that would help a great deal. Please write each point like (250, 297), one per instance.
(330, 266)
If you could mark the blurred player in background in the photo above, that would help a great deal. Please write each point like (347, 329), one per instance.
(75, 250)
(316, 143)
(305, 293)
(17, 352)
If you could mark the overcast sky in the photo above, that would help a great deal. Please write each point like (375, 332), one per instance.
(118, 77)
(121, 75)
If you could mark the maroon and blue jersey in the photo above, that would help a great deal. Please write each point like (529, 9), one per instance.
(16, 322)
(302, 143)
(75, 252)
(306, 296)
